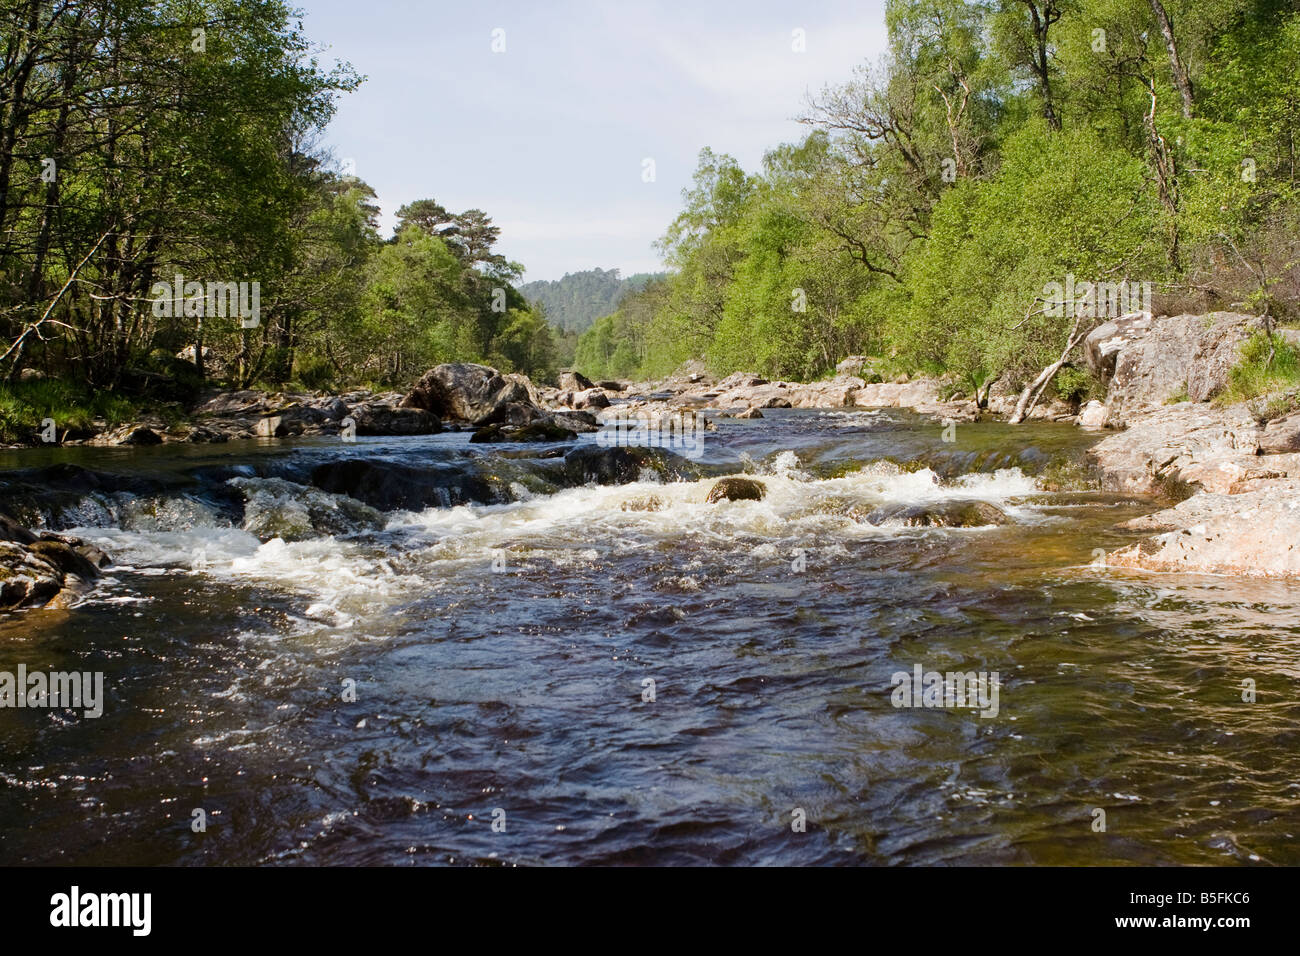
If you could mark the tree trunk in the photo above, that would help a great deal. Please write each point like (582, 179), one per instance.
(1176, 64)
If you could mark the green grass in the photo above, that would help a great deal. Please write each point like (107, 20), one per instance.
(25, 405)
(1255, 374)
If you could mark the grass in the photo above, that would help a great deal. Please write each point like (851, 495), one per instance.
(1257, 374)
(24, 406)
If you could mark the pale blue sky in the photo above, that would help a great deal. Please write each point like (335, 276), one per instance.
(549, 137)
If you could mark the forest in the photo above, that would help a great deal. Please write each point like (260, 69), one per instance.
(1000, 150)
(155, 144)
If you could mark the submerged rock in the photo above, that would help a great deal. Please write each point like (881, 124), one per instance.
(644, 503)
(940, 514)
(276, 508)
(737, 489)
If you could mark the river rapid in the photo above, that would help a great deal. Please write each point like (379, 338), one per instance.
(521, 668)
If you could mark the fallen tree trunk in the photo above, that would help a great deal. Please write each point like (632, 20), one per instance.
(1034, 390)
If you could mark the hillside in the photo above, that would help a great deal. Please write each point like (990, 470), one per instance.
(573, 303)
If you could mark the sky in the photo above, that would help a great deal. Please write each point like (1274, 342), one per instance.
(551, 136)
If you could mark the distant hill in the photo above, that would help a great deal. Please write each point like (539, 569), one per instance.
(580, 298)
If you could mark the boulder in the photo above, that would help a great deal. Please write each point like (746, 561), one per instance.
(539, 431)
(467, 392)
(1104, 343)
(46, 570)
(1281, 435)
(1181, 354)
(575, 382)
(621, 465)
(590, 398)
(389, 486)
(737, 489)
(136, 434)
(579, 422)
(749, 413)
(381, 418)
(1094, 416)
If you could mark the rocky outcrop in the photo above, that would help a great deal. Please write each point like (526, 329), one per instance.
(1237, 481)
(1256, 534)
(1148, 362)
(1188, 446)
(737, 489)
(45, 569)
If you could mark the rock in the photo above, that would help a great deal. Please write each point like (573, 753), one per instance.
(611, 386)
(579, 422)
(737, 489)
(31, 375)
(750, 413)
(623, 465)
(273, 426)
(1281, 435)
(472, 393)
(49, 570)
(276, 508)
(539, 431)
(923, 391)
(1174, 449)
(1104, 343)
(943, 514)
(381, 418)
(128, 435)
(1094, 416)
(740, 380)
(1177, 354)
(575, 382)
(389, 486)
(644, 503)
(1255, 534)
(591, 398)
(777, 402)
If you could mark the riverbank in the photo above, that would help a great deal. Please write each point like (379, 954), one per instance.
(1227, 473)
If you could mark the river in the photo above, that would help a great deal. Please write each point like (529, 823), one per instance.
(552, 674)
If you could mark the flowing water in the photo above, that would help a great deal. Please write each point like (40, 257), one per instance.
(340, 683)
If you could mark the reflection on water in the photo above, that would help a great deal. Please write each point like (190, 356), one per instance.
(500, 653)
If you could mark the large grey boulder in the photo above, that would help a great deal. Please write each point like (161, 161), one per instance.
(1167, 358)
(473, 393)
